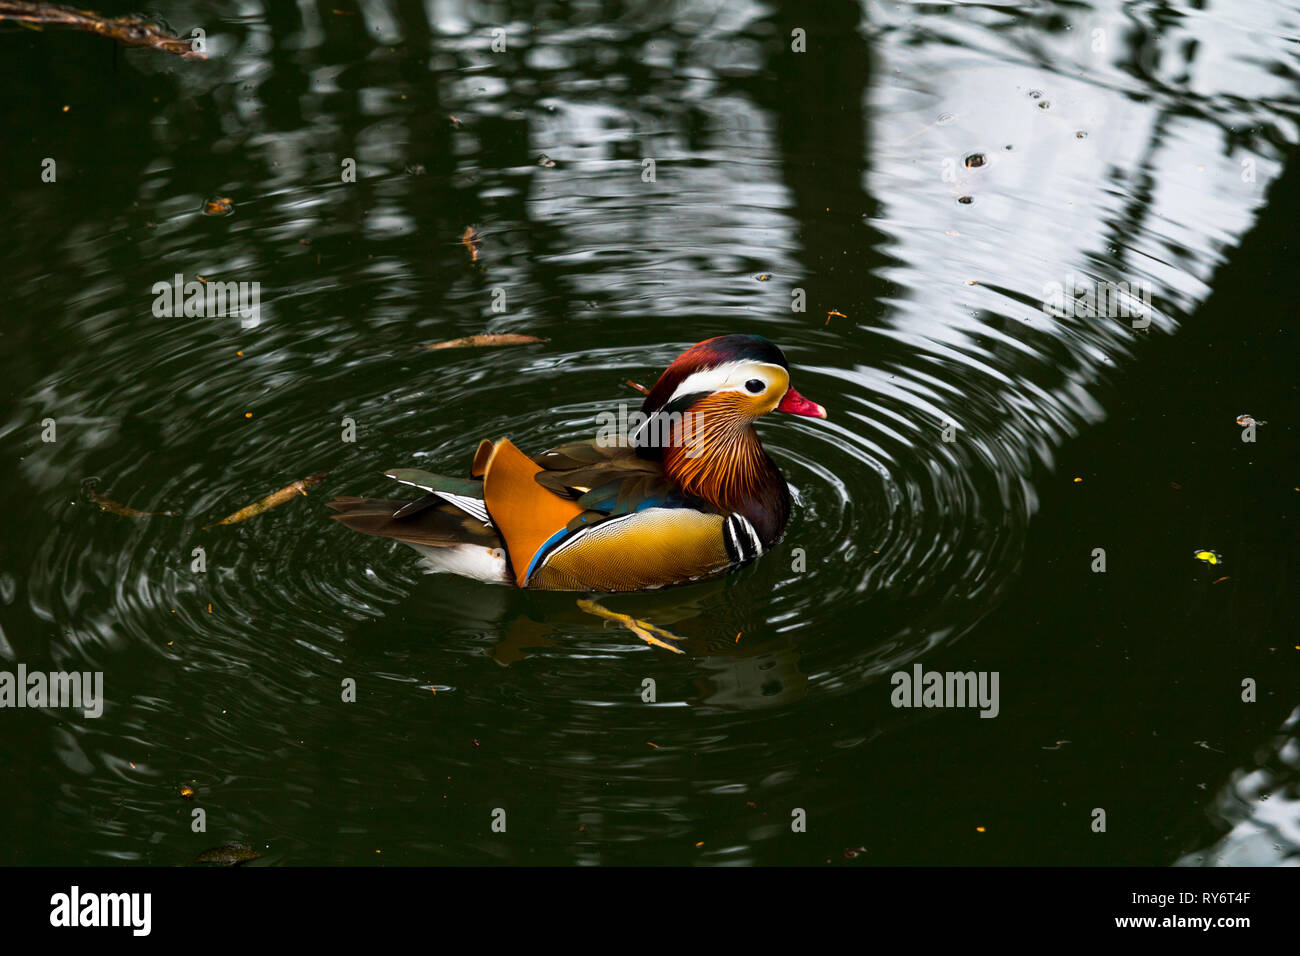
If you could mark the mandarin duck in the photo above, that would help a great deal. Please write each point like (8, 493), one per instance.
(687, 493)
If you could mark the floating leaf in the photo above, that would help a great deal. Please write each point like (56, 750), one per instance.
(228, 854)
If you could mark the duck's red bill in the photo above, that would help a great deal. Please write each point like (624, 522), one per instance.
(796, 404)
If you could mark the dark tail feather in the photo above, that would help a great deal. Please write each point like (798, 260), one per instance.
(440, 526)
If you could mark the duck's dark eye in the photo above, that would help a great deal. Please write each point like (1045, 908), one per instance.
(755, 385)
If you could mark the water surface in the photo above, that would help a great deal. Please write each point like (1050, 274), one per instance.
(888, 205)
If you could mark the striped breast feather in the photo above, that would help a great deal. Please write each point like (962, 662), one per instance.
(742, 541)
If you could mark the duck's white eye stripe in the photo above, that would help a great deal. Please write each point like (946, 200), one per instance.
(728, 377)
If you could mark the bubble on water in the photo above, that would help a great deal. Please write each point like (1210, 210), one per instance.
(944, 119)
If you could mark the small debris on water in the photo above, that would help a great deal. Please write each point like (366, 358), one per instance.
(113, 507)
(273, 500)
(469, 239)
(484, 341)
(228, 854)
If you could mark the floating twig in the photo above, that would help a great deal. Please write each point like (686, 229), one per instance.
(128, 30)
(272, 500)
(484, 341)
(114, 507)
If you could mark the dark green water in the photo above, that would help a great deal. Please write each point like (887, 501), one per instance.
(1126, 143)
